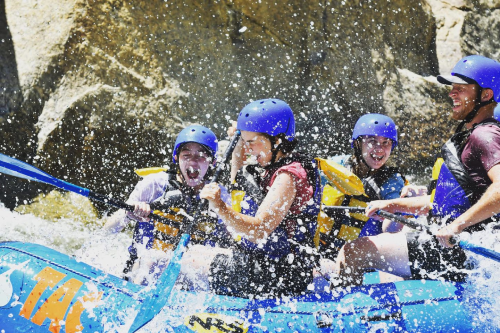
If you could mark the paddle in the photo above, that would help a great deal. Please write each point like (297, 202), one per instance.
(159, 295)
(463, 244)
(410, 223)
(415, 225)
(17, 168)
(346, 181)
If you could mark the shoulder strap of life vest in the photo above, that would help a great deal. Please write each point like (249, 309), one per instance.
(450, 154)
(452, 189)
(373, 184)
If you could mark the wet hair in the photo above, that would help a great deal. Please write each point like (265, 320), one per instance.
(205, 148)
(285, 146)
(357, 161)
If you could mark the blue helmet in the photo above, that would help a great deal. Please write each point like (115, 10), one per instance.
(476, 69)
(198, 134)
(271, 116)
(496, 112)
(375, 124)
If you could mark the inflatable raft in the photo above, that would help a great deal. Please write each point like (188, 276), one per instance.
(42, 290)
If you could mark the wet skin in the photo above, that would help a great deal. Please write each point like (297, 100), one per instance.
(194, 162)
(257, 145)
(376, 150)
(463, 97)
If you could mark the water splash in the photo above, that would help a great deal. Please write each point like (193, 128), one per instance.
(6, 289)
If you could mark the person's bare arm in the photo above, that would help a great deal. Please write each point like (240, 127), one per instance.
(417, 205)
(271, 212)
(120, 219)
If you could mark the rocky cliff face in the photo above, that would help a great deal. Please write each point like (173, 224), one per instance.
(93, 89)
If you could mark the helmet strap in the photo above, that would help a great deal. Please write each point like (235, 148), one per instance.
(274, 150)
(359, 155)
(285, 146)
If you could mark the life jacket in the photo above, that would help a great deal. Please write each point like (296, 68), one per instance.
(176, 202)
(452, 189)
(295, 234)
(339, 227)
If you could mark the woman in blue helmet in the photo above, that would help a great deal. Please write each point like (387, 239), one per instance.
(373, 139)
(466, 194)
(175, 193)
(275, 202)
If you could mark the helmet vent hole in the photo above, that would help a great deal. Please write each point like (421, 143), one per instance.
(247, 115)
(193, 130)
(274, 102)
(376, 122)
(203, 132)
(262, 102)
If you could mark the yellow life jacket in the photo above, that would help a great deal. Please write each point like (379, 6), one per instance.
(348, 190)
(174, 207)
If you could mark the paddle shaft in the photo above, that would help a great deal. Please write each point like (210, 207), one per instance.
(160, 294)
(122, 205)
(20, 169)
(329, 210)
(415, 225)
(463, 244)
(408, 222)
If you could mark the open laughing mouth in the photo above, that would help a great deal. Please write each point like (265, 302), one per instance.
(377, 158)
(192, 173)
(457, 103)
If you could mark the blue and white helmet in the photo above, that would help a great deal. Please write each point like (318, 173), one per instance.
(198, 134)
(375, 124)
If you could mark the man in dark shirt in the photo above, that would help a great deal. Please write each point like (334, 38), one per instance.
(481, 153)
(467, 193)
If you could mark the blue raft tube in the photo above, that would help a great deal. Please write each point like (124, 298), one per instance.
(42, 290)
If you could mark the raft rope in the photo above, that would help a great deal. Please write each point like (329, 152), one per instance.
(99, 282)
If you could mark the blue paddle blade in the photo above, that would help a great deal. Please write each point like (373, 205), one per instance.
(480, 250)
(16, 168)
(13, 167)
(159, 295)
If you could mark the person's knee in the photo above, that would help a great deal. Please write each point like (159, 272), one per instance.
(358, 249)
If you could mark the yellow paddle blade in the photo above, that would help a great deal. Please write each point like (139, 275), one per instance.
(345, 180)
(147, 171)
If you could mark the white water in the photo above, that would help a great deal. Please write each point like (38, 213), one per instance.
(86, 243)
(109, 253)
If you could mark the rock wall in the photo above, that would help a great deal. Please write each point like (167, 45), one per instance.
(93, 89)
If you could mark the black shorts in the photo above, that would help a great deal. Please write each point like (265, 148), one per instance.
(244, 275)
(429, 260)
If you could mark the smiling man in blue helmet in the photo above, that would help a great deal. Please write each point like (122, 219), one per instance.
(466, 195)
(273, 216)
(176, 193)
